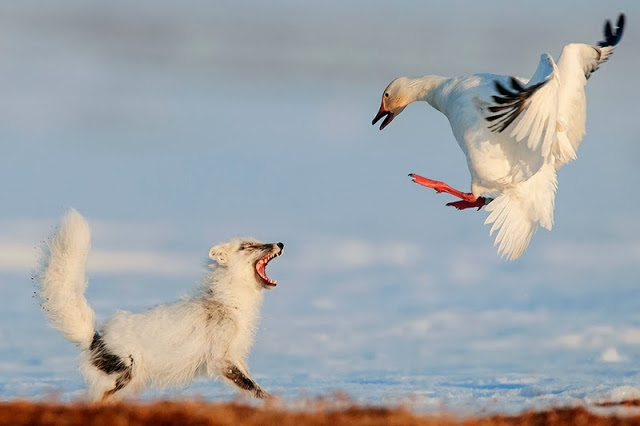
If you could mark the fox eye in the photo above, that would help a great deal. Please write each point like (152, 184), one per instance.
(247, 246)
(386, 95)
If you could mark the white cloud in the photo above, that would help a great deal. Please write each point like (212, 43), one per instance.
(402, 254)
(611, 355)
(470, 265)
(631, 336)
(592, 337)
(335, 253)
(414, 328)
(17, 258)
(22, 240)
(142, 234)
(602, 337)
(21, 258)
(324, 303)
(103, 232)
(476, 328)
(591, 256)
(25, 229)
(353, 253)
(572, 341)
(145, 262)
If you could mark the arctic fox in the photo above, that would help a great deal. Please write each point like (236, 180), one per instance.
(209, 332)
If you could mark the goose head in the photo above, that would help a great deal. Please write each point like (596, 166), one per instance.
(395, 98)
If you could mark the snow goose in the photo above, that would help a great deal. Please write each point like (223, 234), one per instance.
(516, 133)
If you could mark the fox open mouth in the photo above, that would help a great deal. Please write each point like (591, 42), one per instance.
(260, 271)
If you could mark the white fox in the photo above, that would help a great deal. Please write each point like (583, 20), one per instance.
(210, 332)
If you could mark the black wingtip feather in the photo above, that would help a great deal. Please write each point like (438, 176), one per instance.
(502, 90)
(608, 33)
(497, 108)
(500, 99)
(515, 84)
(509, 104)
(611, 37)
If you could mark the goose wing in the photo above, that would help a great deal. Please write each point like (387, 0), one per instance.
(529, 110)
(605, 47)
(548, 112)
(576, 64)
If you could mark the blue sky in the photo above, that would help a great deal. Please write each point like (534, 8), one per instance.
(173, 127)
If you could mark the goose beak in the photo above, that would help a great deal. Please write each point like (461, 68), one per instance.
(388, 116)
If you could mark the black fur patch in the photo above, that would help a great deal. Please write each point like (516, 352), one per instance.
(110, 364)
(234, 374)
(105, 360)
(256, 246)
(122, 380)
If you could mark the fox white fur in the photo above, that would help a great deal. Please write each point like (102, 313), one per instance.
(208, 333)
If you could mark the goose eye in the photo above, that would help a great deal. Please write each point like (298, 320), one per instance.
(386, 95)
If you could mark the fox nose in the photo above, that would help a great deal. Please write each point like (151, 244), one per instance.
(281, 246)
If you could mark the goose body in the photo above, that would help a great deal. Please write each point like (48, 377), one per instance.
(515, 133)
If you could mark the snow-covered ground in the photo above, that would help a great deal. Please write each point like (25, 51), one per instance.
(379, 339)
(173, 128)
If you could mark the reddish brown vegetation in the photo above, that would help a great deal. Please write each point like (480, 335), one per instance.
(201, 414)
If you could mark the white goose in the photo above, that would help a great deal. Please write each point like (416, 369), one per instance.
(516, 133)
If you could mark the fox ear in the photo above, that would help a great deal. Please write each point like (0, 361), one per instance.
(219, 253)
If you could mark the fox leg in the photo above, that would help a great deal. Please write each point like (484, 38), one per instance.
(122, 380)
(235, 375)
(106, 373)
